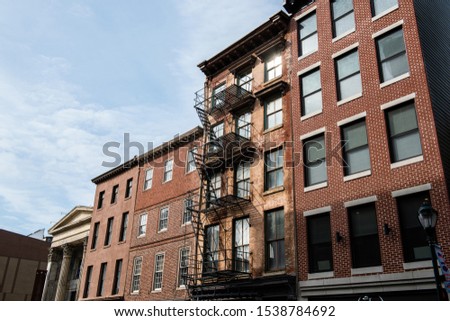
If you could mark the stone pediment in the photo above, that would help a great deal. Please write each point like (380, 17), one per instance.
(79, 215)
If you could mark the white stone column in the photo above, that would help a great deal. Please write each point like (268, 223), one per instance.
(51, 264)
(61, 290)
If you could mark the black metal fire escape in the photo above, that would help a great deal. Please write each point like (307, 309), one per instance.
(211, 271)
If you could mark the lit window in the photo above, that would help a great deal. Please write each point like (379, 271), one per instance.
(273, 67)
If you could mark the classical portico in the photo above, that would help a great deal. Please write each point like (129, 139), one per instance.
(65, 258)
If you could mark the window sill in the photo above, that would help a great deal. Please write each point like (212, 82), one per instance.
(156, 291)
(271, 273)
(181, 288)
(168, 181)
(307, 55)
(162, 231)
(187, 223)
(349, 99)
(345, 34)
(134, 293)
(272, 129)
(271, 81)
(320, 275)
(311, 115)
(147, 189)
(357, 175)
(192, 171)
(394, 80)
(367, 270)
(106, 246)
(122, 242)
(112, 204)
(315, 187)
(140, 236)
(417, 265)
(382, 14)
(274, 190)
(127, 198)
(408, 161)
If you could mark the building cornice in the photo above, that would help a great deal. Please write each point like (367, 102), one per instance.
(178, 141)
(242, 50)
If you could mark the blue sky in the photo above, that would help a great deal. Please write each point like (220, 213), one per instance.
(75, 75)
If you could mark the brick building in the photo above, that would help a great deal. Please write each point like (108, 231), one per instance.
(103, 272)
(162, 237)
(370, 121)
(244, 215)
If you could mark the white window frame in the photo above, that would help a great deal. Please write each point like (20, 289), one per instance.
(148, 182)
(142, 231)
(183, 265)
(163, 226)
(158, 272)
(168, 170)
(136, 278)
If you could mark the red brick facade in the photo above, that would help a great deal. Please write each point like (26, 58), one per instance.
(383, 179)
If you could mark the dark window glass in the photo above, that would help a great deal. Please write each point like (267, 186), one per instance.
(314, 160)
(158, 276)
(275, 254)
(242, 245)
(415, 246)
(355, 147)
(319, 243)
(274, 113)
(115, 192)
(123, 227)
(307, 35)
(403, 132)
(380, 6)
(109, 229)
(101, 279)
(101, 197)
(95, 235)
(392, 59)
(87, 282)
(218, 96)
(348, 75)
(211, 259)
(274, 174)
(364, 236)
(343, 16)
(183, 268)
(129, 188)
(311, 92)
(117, 274)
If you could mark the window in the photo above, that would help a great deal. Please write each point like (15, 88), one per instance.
(273, 67)
(244, 80)
(109, 229)
(314, 160)
(218, 96)
(343, 16)
(311, 92)
(168, 170)
(158, 276)
(217, 131)
(355, 148)
(415, 246)
(273, 113)
(137, 269)
(320, 253)
(242, 176)
(243, 125)
(101, 197)
(307, 35)
(215, 187)
(348, 75)
(129, 188)
(364, 236)
(142, 224)
(183, 267)
(211, 249)
(87, 282)
(123, 227)
(191, 160)
(241, 249)
(403, 132)
(275, 259)
(391, 51)
(187, 212)
(148, 179)
(380, 6)
(117, 274)
(115, 192)
(273, 167)
(163, 219)
(95, 235)
(101, 279)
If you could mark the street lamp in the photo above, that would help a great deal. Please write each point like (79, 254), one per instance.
(428, 218)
